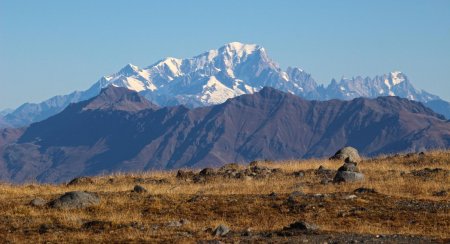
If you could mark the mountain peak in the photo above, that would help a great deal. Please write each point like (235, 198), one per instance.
(397, 77)
(240, 48)
(129, 69)
(118, 98)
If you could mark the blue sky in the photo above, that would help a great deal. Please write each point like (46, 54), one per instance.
(54, 47)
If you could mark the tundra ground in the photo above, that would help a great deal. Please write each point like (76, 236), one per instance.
(404, 198)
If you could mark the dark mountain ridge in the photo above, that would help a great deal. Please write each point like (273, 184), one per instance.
(121, 131)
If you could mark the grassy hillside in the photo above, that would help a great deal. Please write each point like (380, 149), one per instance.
(411, 202)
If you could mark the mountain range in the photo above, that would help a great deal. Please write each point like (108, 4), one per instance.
(120, 130)
(217, 75)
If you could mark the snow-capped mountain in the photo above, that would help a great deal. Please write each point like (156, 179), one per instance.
(393, 84)
(217, 75)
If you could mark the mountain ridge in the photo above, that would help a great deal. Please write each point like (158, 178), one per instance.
(229, 71)
(268, 124)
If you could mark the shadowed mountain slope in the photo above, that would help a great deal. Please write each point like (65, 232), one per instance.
(121, 131)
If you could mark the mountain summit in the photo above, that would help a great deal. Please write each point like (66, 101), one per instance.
(219, 74)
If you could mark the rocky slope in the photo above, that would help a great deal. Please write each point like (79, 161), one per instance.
(119, 130)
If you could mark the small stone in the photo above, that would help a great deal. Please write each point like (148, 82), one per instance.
(221, 230)
(185, 221)
(97, 225)
(174, 224)
(185, 174)
(80, 181)
(363, 190)
(300, 173)
(139, 189)
(43, 228)
(350, 197)
(75, 199)
(38, 202)
(207, 172)
(324, 181)
(440, 193)
(350, 167)
(302, 226)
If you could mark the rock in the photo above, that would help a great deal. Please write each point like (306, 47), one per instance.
(174, 224)
(139, 189)
(428, 173)
(300, 173)
(232, 166)
(221, 230)
(97, 225)
(38, 202)
(350, 167)
(207, 172)
(295, 196)
(185, 221)
(254, 163)
(442, 193)
(347, 176)
(301, 226)
(185, 174)
(350, 197)
(75, 199)
(323, 171)
(324, 181)
(363, 190)
(80, 181)
(347, 152)
(44, 228)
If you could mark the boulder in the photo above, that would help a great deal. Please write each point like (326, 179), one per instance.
(75, 200)
(139, 189)
(185, 174)
(348, 176)
(38, 202)
(221, 230)
(347, 152)
(207, 172)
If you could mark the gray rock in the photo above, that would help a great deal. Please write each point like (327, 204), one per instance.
(221, 230)
(230, 166)
(80, 181)
(139, 189)
(347, 176)
(185, 174)
(350, 167)
(174, 224)
(442, 193)
(363, 190)
(207, 172)
(347, 152)
(38, 202)
(300, 173)
(301, 226)
(75, 199)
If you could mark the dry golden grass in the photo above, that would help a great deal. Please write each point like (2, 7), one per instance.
(405, 204)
